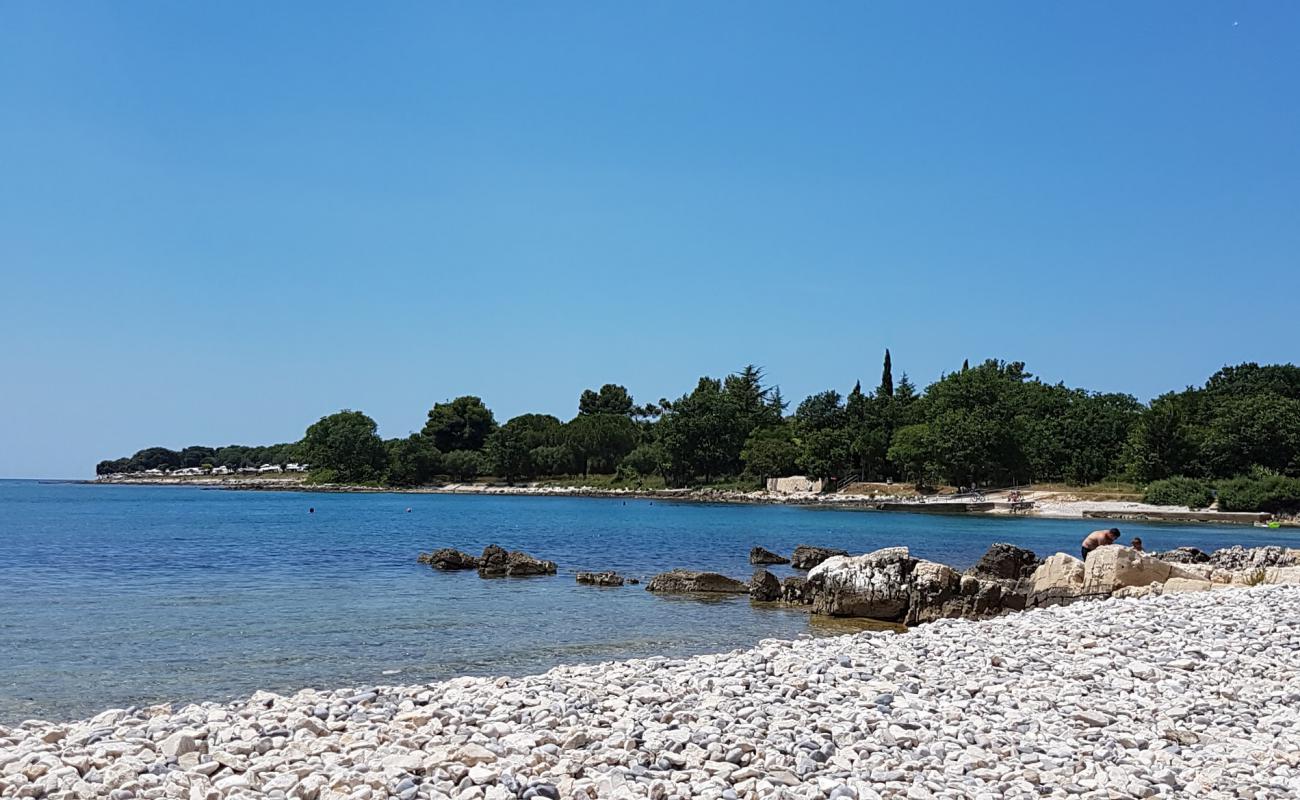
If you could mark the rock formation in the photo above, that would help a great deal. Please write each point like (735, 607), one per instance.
(764, 586)
(1006, 563)
(892, 586)
(807, 556)
(690, 581)
(762, 556)
(497, 563)
(599, 578)
(449, 559)
(1119, 571)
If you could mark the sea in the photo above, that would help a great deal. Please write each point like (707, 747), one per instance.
(118, 596)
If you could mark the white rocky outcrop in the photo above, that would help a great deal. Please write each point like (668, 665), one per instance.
(1118, 570)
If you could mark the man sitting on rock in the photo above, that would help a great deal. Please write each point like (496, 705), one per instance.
(1097, 539)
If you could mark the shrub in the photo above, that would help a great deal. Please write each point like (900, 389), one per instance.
(1179, 492)
(1260, 492)
(644, 460)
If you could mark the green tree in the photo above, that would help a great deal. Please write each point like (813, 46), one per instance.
(702, 434)
(645, 459)
(463, 424)
(771, 452)
(346, 444)
(196, 456)
(1252, 430)
(508, 454)
(886, 378)
(412, 461)
(553, 460)
(1164, 442)
(611, 399)
(464, 465)
(600, 440)
(913, 453)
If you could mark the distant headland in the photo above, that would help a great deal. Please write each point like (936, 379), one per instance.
(1231, 445)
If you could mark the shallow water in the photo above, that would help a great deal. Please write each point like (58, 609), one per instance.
(121, 595)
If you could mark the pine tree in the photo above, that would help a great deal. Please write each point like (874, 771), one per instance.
(887, 377)
(965, 364)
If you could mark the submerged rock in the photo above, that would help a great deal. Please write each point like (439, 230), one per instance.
(763, 556)
(449, 559)
(599, 578)
(496, 562)
(685, 581)
(764, 586)
(807, 556)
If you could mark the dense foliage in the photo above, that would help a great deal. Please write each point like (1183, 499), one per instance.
(1188, 492)
(1260, 491)
(991, 424)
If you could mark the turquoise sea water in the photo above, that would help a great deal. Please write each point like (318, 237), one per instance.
(121, 595)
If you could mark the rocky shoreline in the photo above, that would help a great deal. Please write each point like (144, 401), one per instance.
(1180, 695)
(890, 585)
(1049, 507)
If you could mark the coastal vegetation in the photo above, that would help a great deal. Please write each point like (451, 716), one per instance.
(1236, 437)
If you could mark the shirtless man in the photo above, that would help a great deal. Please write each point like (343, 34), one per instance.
(1097, 539)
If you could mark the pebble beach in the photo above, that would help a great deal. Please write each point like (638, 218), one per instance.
(1173, 696)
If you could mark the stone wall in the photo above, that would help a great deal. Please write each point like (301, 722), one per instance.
(793, 485)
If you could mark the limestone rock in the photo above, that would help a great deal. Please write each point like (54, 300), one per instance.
(449, 558)
(807, 556)
(763, 556)
(599, 578)
(1005, 562)
(691, 581)
(793, 590)
(1063, 578)
(764, 586)
(1183, 555)
(497, 563)
(876, 585)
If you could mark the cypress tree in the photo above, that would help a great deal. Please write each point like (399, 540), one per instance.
(965, 364)
(887, 377)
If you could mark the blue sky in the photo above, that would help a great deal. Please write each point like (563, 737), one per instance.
(220, 221)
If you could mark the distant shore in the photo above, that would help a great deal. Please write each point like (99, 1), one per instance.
(1039, 504)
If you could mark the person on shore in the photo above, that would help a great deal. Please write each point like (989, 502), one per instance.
(1136, 544)
(1097, 539)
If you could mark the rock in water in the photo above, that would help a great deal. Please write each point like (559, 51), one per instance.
(685, 580)
(762, 556)
(793, 590)
(449, 559)
(875, 585)
(891, 586)
(497, 563)
(764, 586)
(599, 578)
(806, 556)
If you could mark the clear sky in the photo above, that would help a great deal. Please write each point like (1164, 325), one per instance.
(220, 221)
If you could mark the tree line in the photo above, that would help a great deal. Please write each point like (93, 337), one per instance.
(990, 424)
